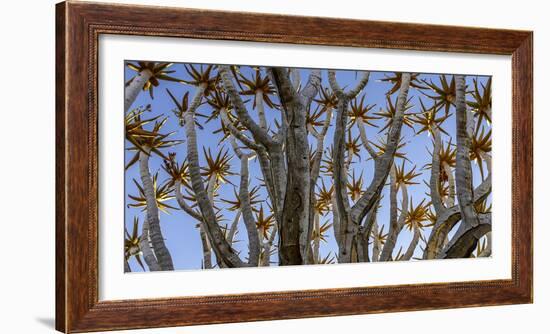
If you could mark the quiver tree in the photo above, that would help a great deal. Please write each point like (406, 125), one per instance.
(311, 166)
(147, 142)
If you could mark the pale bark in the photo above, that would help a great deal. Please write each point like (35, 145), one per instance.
(412, 246)
(469, 231)
(294, 228)
(447, 218)
(267, 247)
(488, 161)
(336, 220)
(394, 228)
(249, 222)
(450, 201)
(375, 243)
(269, 150)
(463, 164)
(316, 166)
(466, 243)
(384, 162)
(349, 228)
(435, 176)
(396, 224)
(365, 233)
(162, 254)
(236, 133)
(363, 135)
(145, 247)
(259, 134)
(206, 248)
(233, 228)
(260, 108)
(295, 75)
(210, 188)
(316, 241)
(135, 86)
(352, 218)
(183, 205)
(489, 246)
(223, 250)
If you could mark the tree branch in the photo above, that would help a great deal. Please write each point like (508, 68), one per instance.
(447, 219)
(145, 247)
(258, 133)
(463, 164)
(183, 205)
(294, 226)
(385, 161)
(435, 176)
(223, 250)
(162, 254)
(363, 135)
(352, 93)
(249, 222)
(466, 243)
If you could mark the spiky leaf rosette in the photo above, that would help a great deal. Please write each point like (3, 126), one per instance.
(202, 77)
(264, 222)
(481, 106)
(428, 120)
(143, 140)
(217, 167)
(395, 80)
(258, 83)
(360, 110)
(131, 243)
(389, 113)
(163, 193)
(159, 71)
(444, 94)
(327, 98)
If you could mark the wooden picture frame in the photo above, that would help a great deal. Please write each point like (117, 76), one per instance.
(78, 26)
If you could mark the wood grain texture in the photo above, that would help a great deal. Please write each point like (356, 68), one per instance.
(78, 27)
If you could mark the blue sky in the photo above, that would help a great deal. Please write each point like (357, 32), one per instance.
(179, 229)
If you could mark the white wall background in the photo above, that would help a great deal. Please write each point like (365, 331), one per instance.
(27, 165)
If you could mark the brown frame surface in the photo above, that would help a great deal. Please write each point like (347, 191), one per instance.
(78, 25)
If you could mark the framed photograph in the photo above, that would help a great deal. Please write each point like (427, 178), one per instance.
(212, 169)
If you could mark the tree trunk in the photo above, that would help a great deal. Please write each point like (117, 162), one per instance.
(233, 228)
(384, 162)
(295, 229)
(249, 222)
(135, 87)
(223, 250)
(317, 240)
(488, 248)
(396, 224)
(450, 201)
(412, 246)
(466, 243)
(375, 243)
(348, 229)
(463, 164)
(206, 249)
(260, 108)
(145, 247)
(157, 240)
